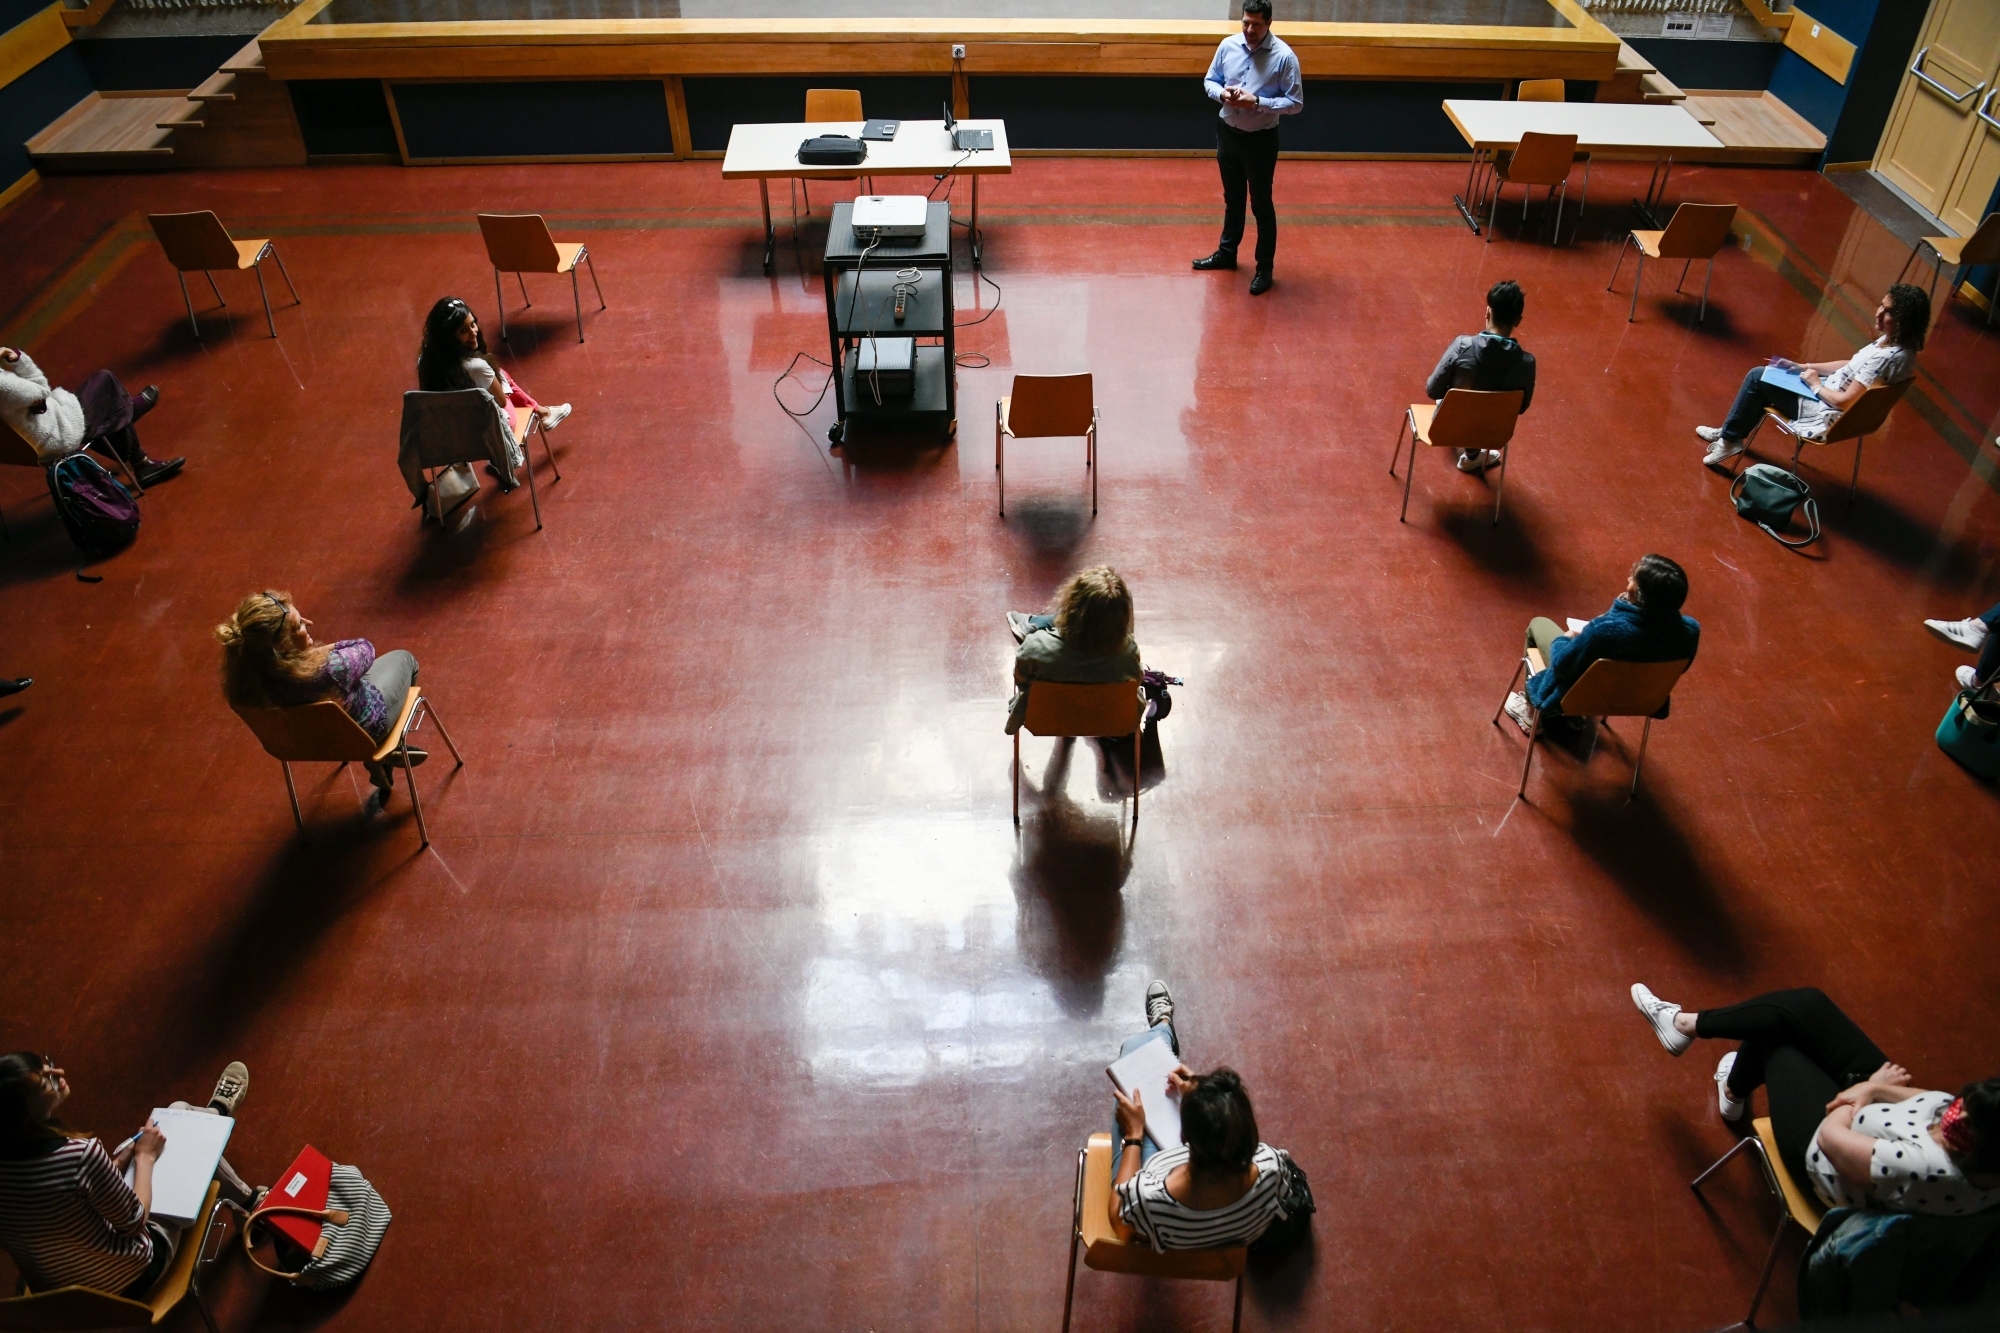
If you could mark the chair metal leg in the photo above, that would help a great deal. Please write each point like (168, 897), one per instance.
(1236, 1319)
(1742, 1143)
(117, 461)
(534, 496)
(576, 295)
(593, 280)
(1075, 1234)
(269, 323)
(547, 448)
(296, 299)
(190, 303)
(1017, 779)
(1909, 260)
(212, 287)
(1619, 265)
(524, 289)
(209, 1319)
(1556, 232)
(1500, 491)
(1638, 276)
(1397, 453)
(1519, 667)
(298, 820)
(1090, 462)
(1854, 482)
(1494, 211)
(1409, 474)
(500, 304)
(1534, 730)
(1000, 457)
(1702, 317)
(416, 801)
(1682, 279)
(1770, 1263)
(430, 708)
(1138, 736)
(1583, 205)
(1639, 764)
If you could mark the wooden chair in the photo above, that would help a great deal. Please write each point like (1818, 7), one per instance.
(1857, 423)
(1695, 231)
(199, 242)
(1605, 690)
(1539, 159)
(1466, 419)
(1541, 90)
(1107, 1252)
(1056, 708)
(324, 733)
(75, 1307)
(463, 439)
(1982, 247)
(831, 104)
(1795, 1206)
(520, 243)
(17, 451)
(1042, 406)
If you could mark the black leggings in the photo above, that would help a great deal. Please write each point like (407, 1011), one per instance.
(1803, 1049)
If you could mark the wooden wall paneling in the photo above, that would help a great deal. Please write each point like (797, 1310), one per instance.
(30, 42)
(677, 116)
(395, 121)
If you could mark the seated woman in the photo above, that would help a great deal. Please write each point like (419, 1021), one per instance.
(1901, 321)
(1643, 625)
(1845, 1118)
(1085, 640)
(58, 423)
(270, 660)
(454, 356)
(1220, 1186)
(66, 1214)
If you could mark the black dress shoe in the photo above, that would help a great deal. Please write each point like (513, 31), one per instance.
(145, 401)
(1260, 282)
(1220, 259)
(152, 473)
(8, 687)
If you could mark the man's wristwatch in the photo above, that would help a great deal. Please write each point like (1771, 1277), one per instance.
(1131, 1143)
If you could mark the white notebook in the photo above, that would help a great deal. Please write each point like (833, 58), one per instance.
(1146, 1069)
(195, 1140)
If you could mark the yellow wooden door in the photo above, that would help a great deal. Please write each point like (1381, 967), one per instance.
(1942, 144)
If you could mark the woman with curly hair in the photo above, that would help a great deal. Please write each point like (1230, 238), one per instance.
(1085, 639)
(1901, 322)
(271, 660)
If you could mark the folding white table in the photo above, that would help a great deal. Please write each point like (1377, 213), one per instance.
(1607, 128)
(920, 148)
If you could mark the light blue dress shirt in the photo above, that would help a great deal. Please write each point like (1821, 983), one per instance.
(1271, 72)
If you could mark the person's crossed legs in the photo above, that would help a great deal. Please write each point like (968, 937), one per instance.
(1160, 1013)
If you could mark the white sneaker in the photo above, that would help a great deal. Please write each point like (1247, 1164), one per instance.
(1731, 1108)
(1017, 624)
(1661, 1015)
(1967, 677)
(1709, 434)
(1721, 452)
(1478, 460)
(1965, 633)
(1524, 717)
(554, 416)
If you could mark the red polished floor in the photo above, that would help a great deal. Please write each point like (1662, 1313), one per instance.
(727, 996)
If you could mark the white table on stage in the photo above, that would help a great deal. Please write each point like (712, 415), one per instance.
(1608, 128)
(920, 148)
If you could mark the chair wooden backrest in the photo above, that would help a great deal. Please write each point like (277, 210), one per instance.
(1057, 708)
(519, 243)
(1983, 246)
(15, 450)
(1542, 159)
(1475, 419)
(1541, 90)
(450, 426)
(1622, 689)
(1105, 1251)
(321, 732)
(833, 104)
(1697, 231)
(1803, 1207)
(1868, 413)
(1042, 405)
(87, 1307)
(194, 241)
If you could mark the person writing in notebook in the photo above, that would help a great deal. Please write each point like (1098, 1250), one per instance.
(67, 1215)
(1220, 1186)
(1901, 321)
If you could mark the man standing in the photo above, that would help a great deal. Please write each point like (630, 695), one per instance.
(1256, 79)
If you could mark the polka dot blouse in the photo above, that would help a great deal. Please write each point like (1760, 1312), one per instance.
(1908, 1171)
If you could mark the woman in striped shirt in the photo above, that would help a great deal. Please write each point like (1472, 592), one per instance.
(67, 1215)
(1220, 1186)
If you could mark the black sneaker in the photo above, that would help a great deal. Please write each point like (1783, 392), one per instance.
(8, 687)
(1225, 259)
(145, 400)
(152, 473)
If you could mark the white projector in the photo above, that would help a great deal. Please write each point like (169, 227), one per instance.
(890, 217)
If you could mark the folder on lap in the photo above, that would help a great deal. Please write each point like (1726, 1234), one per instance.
(195, 1140)
(1787, 379)
(1146, 1069)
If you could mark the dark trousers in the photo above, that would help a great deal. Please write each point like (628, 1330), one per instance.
(109, 415)
(1248, 159)
(1989, 655)
(1751, 400)
(1803, 1049)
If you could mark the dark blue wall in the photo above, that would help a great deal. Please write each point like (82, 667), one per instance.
(29, 103)
(1699, 65)
(343, 117)
(594, 118)
(1812, 94)
(716, 104)
(124, 63)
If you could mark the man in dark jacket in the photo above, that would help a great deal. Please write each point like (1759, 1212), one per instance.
(1491, 362)
(1645, 625)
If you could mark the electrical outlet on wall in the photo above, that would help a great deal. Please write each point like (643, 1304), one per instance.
(957, 51)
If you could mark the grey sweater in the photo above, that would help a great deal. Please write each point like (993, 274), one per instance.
(1485, 362)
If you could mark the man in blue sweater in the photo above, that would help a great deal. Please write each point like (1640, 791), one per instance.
(1644, 625)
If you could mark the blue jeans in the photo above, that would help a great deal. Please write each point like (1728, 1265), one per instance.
(1162, 1032)
(1041, 622)
(1751, 400)
(1989, 655)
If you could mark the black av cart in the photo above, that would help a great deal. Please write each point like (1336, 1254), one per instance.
(860, 303)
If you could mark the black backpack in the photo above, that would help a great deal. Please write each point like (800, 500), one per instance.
(100, 515)
(1297, 1197)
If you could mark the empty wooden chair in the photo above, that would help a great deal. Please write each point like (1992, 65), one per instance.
(1042, 406)
(520, 243)
(75, 1307)
(199, 242)
(1106, 1251)
(1857, 423)
(324, 733)
(1982, 247)
(1466, 419)
(1695, 231)
(442, 430)
(1057, 708)
(1796, 1206)
(1541, 90)
(1605, 690)
(1539, 159)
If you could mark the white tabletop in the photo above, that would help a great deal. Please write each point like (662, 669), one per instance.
(920, 148)
(1599, 127)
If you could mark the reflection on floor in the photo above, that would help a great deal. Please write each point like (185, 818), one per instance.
(727, 995)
